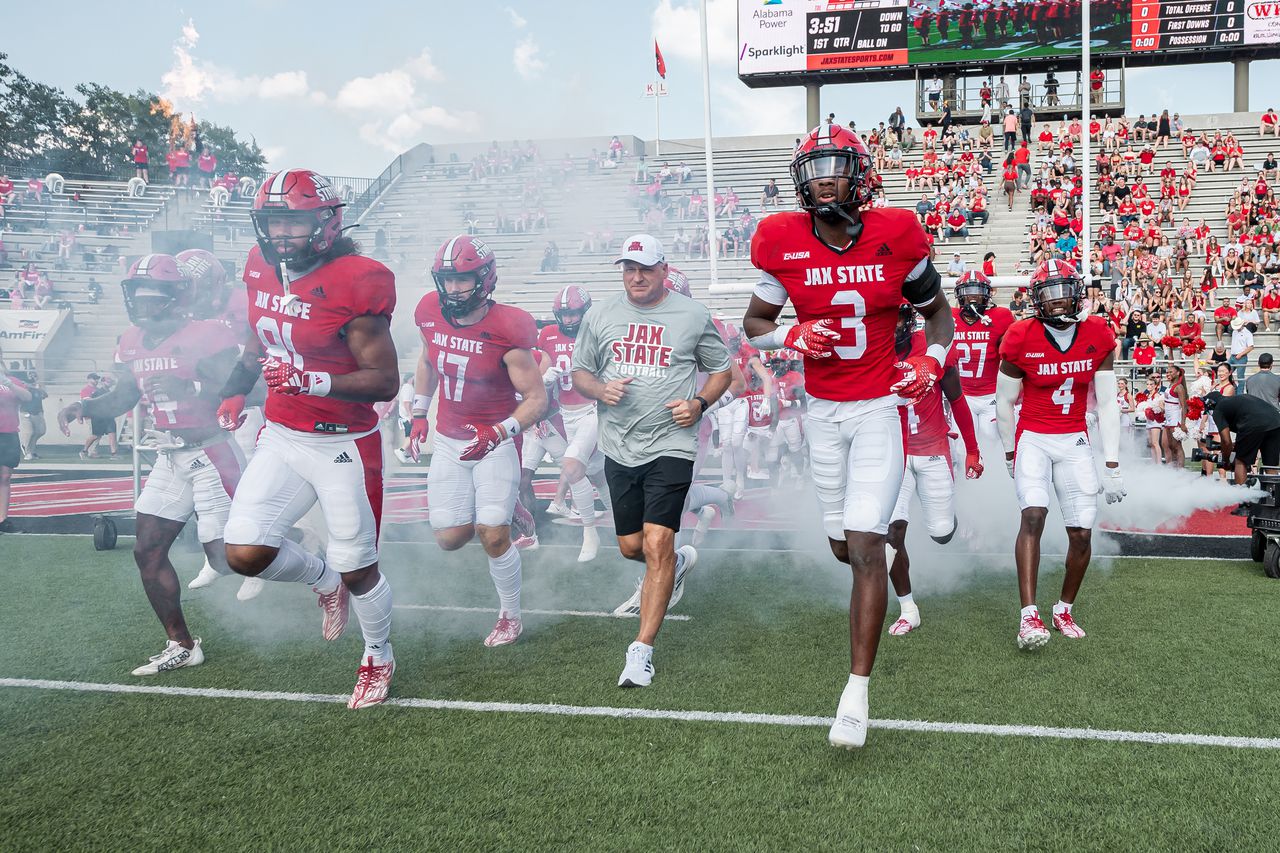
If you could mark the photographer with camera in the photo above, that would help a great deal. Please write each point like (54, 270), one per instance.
(1246, 426)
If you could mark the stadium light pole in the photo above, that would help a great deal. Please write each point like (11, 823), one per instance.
(706, 144)
(1086, 94)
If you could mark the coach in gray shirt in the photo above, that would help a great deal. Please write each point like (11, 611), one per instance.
(639, 353)
(1264, 384)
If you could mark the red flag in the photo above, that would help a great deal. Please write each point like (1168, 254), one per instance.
(662, 64)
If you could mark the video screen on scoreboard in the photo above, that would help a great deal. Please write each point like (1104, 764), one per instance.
(778, 37)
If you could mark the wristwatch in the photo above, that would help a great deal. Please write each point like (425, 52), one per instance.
(703, 401)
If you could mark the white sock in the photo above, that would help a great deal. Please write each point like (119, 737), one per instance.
(639, 646)
(1061, 607)
(854, 696)
(728, 464)
(222, 570)
(906, 602)
(373, 609)
(602, 491)
(505, 571)
(584, 501)
(294, 565)
(1030, 610)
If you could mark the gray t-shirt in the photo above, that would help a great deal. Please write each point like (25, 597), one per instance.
(1264, 385)
(662, 349)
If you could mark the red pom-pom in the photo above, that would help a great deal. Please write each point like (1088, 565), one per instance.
(1195, 409)
(1171, 341)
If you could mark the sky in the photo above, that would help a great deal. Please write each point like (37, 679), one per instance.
(343, 87)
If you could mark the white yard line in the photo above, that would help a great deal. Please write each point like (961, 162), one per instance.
(732, 717)
(598, 614)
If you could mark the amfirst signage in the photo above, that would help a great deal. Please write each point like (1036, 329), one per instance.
(26, 333)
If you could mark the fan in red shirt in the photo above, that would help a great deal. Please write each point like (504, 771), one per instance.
(1051, 361)
(928, 475)
(1270, 305)
(321, 320)
(846, 267)
(479, 354)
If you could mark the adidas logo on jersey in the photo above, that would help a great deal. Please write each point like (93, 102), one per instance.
(317, 292)
(197, 463)
(1080, 442)
(884, 250)
(343, 457)
(1091, 348)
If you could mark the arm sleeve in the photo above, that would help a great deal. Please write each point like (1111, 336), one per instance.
(1104, 385)
(1007, 390)
(963, 417)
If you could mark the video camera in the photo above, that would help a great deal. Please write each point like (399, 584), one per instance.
(1212, 454)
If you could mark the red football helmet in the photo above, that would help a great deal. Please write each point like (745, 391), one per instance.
(831, 151)
(731, 334)
(677, 281)
(573, 300)
(905, 328)
(464, 255)
(973, 293)
(1056, 292)
(209, 291)
(299, 195)
(156, 291)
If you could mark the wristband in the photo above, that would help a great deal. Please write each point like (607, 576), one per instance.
(321, 383)
(512, 427)
(421, 403)
(703, 401)
(938, 353)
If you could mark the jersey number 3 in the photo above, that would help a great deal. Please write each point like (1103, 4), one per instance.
(854, 322)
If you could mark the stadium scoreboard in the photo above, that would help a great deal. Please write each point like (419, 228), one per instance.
(781, 42)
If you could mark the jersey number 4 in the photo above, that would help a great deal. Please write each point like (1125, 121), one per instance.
(1063, 396)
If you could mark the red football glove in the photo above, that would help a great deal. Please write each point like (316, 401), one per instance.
(231, 413)
(973, 465)
(488, 437)
(814, 338)
(284, 378)
(919, 374)
(417, 435)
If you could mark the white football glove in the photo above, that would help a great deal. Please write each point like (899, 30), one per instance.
(1113, 485)
(1008, 463)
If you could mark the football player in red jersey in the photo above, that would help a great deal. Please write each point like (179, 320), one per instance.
(174, 365)
(570, 438)
(731, 417)
(846, 267)
(1052, 359)
(479, 353)
(975, 350)
(788, 383)
(928, 474)
(320, 315)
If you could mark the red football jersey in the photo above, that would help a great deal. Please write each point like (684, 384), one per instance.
(1055, 392)
(743, 357)
(179, 356)
(308, 333)
(559, 347)
(860, 288)
(926, 420)
(474, 385)
(759, 408)
(975, 350)
(789, 386)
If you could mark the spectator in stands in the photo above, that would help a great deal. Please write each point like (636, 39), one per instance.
(680, 243)
(66, 241)
(684, 173)
(1270, 305)
(1241, 345)
(1024, 92)
(95, 290)
(989, 264)
(1019, 304)
(1010, 125)
(1010, 180)
(769, 195)
(642, 171)
(206, 164)
(956, 267)
(1026, 118)
(1270, 123)
(978, 210)
(43, 292)
(1096, 80)
(140, 157)
(551, 257)
(957, 223)
(933, 92)
(616, 150)
(7, 192)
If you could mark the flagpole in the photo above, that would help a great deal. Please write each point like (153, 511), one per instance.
(706, 143)
(1086, 115)
(657, 119)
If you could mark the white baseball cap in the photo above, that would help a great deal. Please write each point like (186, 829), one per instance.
(644, 249)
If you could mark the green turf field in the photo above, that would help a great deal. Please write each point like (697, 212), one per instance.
(1012, 48)
(1174, 646)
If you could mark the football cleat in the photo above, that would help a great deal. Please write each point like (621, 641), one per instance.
(682, 571)
(373, 680)
(250, 589)
(174, 656)
(526, 543)
(206, 576)
(849, 731)
(506, 632)
(907, 622)
(590, 545)
(1032, 634)
(337, 607)
(522, 523)
(638, 671)
(1064, 623)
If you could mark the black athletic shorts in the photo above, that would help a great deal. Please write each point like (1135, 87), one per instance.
(10, 450)
(1248, 445)
(102, 426)
(652, 493)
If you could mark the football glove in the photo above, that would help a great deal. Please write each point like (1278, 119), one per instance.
(1008, 463)
(919, 374)
(231, 413)
(417, 435)
(973, 465)
(284, 378)
(1113, 485)
(488, 437)
(814, 338)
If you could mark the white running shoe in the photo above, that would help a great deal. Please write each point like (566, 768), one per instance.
(639, 669)
(526, 543)
(590, 545)
(373, 680)
(337, 607)
(683, 568)
(206, 577)
(1032, 634)
(630, 607)
(561, 510)
(738, 493)
(403, 456)
(849, 731)
(907, 622)
(174, 656)
(506, 632)
(756, 474)
(250, 589)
